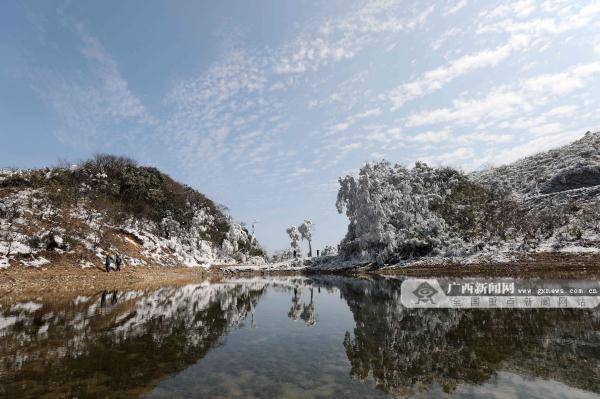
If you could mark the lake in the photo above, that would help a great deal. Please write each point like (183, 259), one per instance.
(291, 337)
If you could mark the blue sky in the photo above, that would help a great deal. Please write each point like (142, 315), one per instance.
(262, 105)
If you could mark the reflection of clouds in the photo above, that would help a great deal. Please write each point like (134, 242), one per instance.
(509, 385)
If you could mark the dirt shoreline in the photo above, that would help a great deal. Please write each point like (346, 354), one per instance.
(55, 281)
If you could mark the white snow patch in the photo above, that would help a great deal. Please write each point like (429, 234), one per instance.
(29, 307)
(579, 249)
(35, 262)
(86, 264)
(6, 322)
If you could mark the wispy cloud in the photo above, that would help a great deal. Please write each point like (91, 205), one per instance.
(503, 102)
(343, 38)
(435, 79)
(453, 8)
(89, 103)
(522, 35)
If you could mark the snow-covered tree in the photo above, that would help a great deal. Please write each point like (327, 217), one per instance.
(393, 211)
(305, 230)
(295, 236)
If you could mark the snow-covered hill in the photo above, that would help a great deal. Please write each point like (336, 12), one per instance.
(78, 214)
(573, 166)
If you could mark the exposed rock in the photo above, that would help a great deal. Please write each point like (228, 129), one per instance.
(587, 176)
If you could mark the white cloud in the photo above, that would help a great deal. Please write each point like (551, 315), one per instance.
(456, 7)
(562, 111)
(350, 147)
(557, 22)
(344, 37)
(484, 137)
(520, 9)
(351, 120)
(504, 102)
(340, 127)
(435, 79)
(565, 82)
(546, 129)
(307, 55)
(453, 157)
(523, 35)
(439, 42)
(499, 103)
(529, 147)
(431, 136)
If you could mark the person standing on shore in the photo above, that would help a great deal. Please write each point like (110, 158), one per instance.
(118, 261)
(108, 262)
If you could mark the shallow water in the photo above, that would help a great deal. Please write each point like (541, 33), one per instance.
(292, 337)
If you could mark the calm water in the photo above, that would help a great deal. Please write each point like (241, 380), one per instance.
(291, 337)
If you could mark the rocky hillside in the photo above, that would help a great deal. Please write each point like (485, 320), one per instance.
(563, 183)
(77, 214)
(572, 167)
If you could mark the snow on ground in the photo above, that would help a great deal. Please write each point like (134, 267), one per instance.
(580, 249)
(29, 307)
(85, 264)
(7, 322)
(35, 262)
(288, 265)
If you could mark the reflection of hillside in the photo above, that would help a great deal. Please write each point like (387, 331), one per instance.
(411, 349)
(117, 346)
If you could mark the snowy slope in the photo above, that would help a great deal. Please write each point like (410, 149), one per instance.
(575, 165)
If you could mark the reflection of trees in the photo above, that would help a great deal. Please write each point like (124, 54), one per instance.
(408, 349)
(296, 308)
(300, 310)
(115, 344)
(308, 311)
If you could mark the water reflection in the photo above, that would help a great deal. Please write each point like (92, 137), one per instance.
(366, 344)
(111, 344)
(303, 311)
(411, 350)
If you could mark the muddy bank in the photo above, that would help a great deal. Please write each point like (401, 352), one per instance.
(19, 282)
(543, 265)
